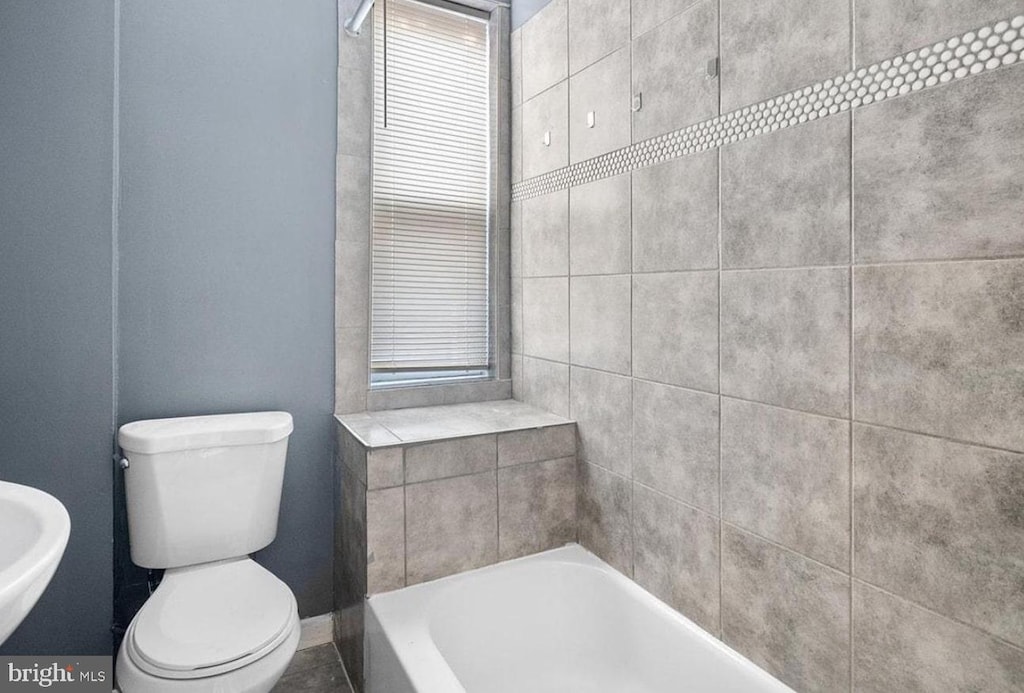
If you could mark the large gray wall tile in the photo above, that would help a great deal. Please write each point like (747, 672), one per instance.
(596, 28)
(350, 536)
(536, 507)
(352, 206)
(384, 467)
(355, 90)
(546, 112)
(451, 526)
(546, 318)
(786, 613)
(516, 240)
(675, 215)
(536, 444)
(351, 373)
(670, 71)
(546, 235)
(885, 28)
(349, 566)
(675, 555)
(786, 477)
(599, 226)
(517, 377)
(675, 442)
(546, 385)
(605, 507)
(774, 46)
(785, 338)
(516, 328)
(603, 89)
(516, 159)
(600, 404)
(599, 322)
(941, 523)
(385, 540)
(545, 48)
(901, 647)
(515, 49)
(351, 284)
(939, 348)
(786, 197)
(350, 451)
(647, 14)
(938, 175)
(675, 328)
(450, 458)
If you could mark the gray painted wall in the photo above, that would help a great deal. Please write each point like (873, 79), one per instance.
(228, 121)
(522, 10)
(56, 386)
(224, 293)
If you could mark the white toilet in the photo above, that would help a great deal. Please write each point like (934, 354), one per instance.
(203, 493)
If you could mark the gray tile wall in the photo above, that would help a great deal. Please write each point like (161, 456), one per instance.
(796, 362)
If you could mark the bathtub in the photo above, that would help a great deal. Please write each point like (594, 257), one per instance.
(561, 621)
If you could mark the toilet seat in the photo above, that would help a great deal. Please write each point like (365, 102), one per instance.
(211, 619)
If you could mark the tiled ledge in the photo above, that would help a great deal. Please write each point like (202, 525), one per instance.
(426, 492)
(430, 491)
(376, 429)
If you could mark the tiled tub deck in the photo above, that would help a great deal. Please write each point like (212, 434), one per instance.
(426, 492)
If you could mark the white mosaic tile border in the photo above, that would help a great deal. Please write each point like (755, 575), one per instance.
(975, 52)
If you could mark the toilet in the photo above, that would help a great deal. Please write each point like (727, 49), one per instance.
(203, 493)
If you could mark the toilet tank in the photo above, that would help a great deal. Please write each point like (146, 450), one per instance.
(203, 488)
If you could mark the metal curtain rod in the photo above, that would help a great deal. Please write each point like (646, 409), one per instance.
(355, 23)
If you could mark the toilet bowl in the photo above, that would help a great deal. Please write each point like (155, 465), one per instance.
(203, 493)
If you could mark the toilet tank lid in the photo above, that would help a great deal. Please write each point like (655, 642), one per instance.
(196, 432)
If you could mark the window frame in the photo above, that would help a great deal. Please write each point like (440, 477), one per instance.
(386, 391)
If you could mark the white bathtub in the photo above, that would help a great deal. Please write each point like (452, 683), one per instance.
(557, 622)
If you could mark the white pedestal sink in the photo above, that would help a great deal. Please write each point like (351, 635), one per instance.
(34, 530)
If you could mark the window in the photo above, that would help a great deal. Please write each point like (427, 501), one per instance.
(430, 288)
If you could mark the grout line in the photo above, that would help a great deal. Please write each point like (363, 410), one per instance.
(632, 354)
(686, 504)
(405, 526)
(721, 510)
(859, 422)
(568, 230)
(344, 669)
(497, 504)
(787, 549)
(934, 436)
(850, 363)
(946, 617)
(694, 4)
(791, 268)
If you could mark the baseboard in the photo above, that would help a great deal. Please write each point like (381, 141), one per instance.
(316, 630)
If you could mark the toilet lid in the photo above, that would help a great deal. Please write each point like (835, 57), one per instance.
(210, 615)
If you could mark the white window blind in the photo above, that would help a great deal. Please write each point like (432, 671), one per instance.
(431, 148)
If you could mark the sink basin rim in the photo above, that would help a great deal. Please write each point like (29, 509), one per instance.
(47, 550)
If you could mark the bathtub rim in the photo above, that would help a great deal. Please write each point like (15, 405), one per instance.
(426, 668)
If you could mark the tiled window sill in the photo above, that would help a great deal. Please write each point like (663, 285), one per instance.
(377, 429)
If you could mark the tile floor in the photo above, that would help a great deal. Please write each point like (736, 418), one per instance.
(314, 670)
